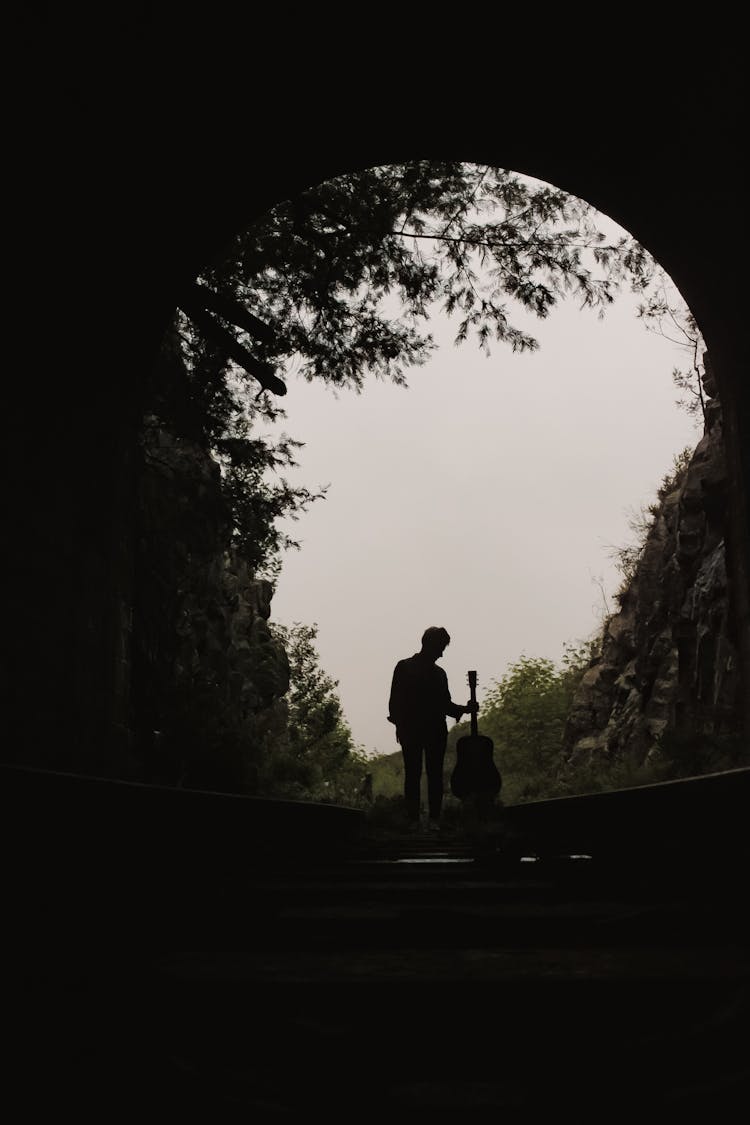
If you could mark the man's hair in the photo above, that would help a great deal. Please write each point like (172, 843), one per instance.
(435, 633)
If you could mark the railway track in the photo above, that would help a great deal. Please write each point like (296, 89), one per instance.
(380, 974)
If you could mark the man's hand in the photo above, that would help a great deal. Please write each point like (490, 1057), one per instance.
(472, 708)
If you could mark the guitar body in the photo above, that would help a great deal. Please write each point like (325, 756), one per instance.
(475, 773)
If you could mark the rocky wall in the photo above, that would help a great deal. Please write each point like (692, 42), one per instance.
(209, 677)
(668, 660)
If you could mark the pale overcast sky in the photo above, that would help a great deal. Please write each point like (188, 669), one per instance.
(483, 498)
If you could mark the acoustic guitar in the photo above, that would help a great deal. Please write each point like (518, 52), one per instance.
(475, 773)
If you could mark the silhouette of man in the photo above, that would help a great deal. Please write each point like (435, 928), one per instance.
(419, 702)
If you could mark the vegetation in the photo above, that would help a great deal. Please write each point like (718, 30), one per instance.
(338, 283)
(318, 758)
(670, 317)
(301, 748)
(524, 713)
(641, 522)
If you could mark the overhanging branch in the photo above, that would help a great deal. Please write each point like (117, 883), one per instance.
(211, 328)
(234, 312)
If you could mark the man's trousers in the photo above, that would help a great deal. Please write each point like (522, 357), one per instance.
(429, 749)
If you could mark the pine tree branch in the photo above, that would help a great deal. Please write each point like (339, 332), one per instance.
(234, 312)
(466, 204)
(211, 328)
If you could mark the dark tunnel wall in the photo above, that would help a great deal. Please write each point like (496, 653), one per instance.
(133, 170)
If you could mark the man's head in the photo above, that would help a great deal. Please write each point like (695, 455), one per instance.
(434, 641)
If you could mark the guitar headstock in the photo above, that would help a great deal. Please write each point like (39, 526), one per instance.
(472, 678)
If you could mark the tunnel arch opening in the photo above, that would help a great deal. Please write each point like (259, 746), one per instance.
(219, 258)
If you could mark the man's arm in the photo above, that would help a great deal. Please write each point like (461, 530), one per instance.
(396, 698)
(451, 708)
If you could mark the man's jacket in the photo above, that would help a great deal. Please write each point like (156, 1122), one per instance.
(420, 699)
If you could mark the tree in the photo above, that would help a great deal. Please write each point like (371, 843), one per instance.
(665, 313)
(321, 757)
(524, 713)
(337, 283)
(254, 501)
(194, 397)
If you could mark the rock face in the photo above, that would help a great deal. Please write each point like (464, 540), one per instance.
(208, 675)
(668, 658)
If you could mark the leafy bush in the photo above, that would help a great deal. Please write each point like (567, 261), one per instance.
(524, 713)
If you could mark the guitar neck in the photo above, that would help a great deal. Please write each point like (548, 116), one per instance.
(472, 677)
